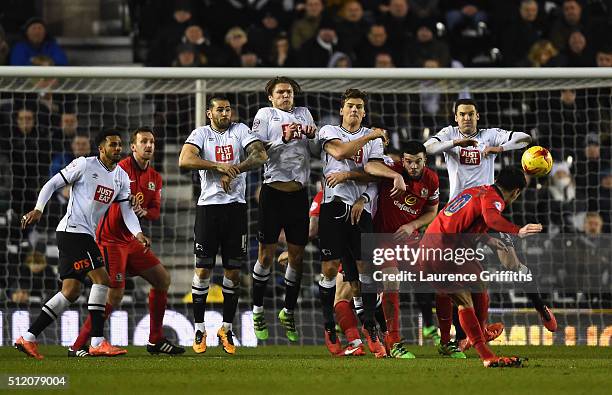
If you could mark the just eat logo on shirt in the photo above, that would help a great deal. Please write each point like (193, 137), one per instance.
(358, 158)
(296, 135)
(469, 157)
(224, 153)
(103, 194)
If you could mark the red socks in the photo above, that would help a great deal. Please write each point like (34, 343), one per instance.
(83, 337)
(347, 320)
(390, 303)
(444, 312)
(471, 326)
(481, 307)
(157, 309)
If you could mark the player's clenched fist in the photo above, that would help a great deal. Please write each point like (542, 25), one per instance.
(379, 133)
(530, 229)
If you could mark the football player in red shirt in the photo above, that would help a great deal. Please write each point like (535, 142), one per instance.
(403, 216)
(124, 255)
(476, 210)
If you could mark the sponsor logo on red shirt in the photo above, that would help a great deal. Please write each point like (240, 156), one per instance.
(224, 153)
(103, 194)
(469, 157)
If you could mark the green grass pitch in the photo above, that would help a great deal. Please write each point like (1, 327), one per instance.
(310, 370)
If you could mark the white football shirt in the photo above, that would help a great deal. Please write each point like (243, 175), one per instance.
(286, 161)
(348, 191)
(221, 147)
(93, 188)
(466, 166)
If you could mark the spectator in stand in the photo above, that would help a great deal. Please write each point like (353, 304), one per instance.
(557, 204)
(424, 9)
(383, 60)
(544, 54)
(33, 281)
(68, 125)
(351, 28)
(589, 164)
(307, 27)
(205, 52)
(37, 42)
(426, 46)
(398, 21)
(571, 19)
(465, 14)
(163, 47)
(603, 58)
(518, 38)
(30, 155)
(186, 56)
(376, 43)
(340, 60)
(235, 39)
(261, 35)
(4, 48)
(79, 146)
(578, 52)
(281, 54)
(249, 58)
(604, 199)
(317, 51)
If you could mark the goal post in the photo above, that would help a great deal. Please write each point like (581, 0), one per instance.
(565, 109)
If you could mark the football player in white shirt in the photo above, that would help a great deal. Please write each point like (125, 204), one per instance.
(286, 132)
(346, 214)
(95, 183)
(470, 153)
(222, 152)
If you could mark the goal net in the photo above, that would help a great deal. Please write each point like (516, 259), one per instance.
(46, 112)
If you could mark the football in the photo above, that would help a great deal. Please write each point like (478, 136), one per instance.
(537, 161)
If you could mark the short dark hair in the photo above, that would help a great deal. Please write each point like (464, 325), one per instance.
(142, 129)
(101, 137)
(214, 98)
(464, 102)
(283, 80)
(353, 93)
(413, 147)
(511, 178)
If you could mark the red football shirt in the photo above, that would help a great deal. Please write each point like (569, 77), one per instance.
(475, 210)
(392, 213)
(146, 185)
(315, 206)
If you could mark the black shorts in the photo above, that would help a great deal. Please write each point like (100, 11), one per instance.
(283, 210)
(220, 225)
(341, 240)
(78, 255)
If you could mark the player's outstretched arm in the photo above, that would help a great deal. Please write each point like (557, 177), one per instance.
(516, 140)
(342, 176)
(256, 157)
(434, 146)
(379, 169)
(56, 182)
(190, 160)
(341, 150)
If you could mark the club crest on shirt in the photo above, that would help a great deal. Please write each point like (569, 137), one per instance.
(151, 186)
(498, 206)
(94, 176)
(424, 192)
(256, 123)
